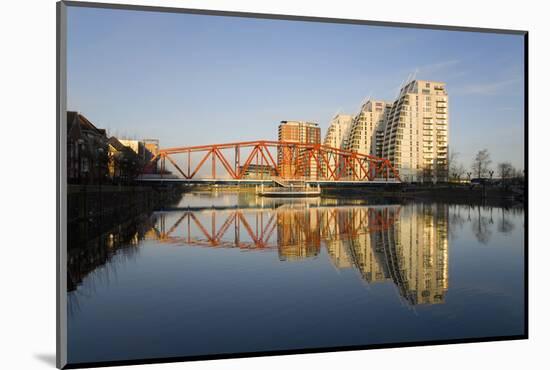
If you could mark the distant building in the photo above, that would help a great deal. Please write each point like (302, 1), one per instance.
(416, 132)
(337, 137)
(124, 164)
(257, 171)
(297, 132)
(86, 151)
(151, 148)
(146, 150)
(136, 145)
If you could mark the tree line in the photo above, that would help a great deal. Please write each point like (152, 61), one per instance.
(481, 168)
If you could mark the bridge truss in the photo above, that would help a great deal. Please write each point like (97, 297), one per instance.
(275, 159)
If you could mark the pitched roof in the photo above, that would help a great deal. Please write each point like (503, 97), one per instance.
(113, 141)
(83, 124)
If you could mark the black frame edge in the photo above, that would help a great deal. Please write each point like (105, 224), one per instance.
(526, 179)
(288, 17)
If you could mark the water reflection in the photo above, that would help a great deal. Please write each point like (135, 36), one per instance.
(405, 245)
(362, 272)
(482, 219)
(85, 255)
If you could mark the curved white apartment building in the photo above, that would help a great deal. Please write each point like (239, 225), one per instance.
(415, 133)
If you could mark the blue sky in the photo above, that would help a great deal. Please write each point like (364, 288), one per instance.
(193, 79)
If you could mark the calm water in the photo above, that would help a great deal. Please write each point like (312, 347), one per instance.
(228, 273)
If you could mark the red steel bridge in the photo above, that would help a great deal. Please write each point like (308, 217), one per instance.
(267, 161)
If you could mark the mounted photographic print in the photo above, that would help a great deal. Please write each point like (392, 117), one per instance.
(235, 184)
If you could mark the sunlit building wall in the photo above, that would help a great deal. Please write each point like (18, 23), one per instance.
(363, 132)
(416, 132)
(338, 131)
(362, 135)
(337, 137)
(151, 148)
(297, 132)
(136, 145)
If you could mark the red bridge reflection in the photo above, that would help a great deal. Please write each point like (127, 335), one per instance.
(294, 232)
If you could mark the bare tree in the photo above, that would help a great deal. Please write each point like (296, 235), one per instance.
(453, 160)
(517, 173)
(456, 169)
(505, 170)
(481, 163)
(452, 164)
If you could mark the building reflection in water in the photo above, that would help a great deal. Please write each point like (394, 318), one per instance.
(403, 245)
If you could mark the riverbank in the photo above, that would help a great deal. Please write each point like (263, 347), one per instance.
(94, 209)
(456, 193)
(459, 194)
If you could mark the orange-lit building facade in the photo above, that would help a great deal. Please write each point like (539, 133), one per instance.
(298, 132)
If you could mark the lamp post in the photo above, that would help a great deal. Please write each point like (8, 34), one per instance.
(99, 165)
(125, 161)
(100, 177)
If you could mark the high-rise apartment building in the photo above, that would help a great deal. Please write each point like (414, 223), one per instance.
(337, 137)
(297, 132)
(338, 131)
(415, 136)
(362, 135)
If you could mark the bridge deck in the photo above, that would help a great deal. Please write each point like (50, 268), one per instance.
(264, 181)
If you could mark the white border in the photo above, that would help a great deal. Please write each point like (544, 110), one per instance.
(28, 181)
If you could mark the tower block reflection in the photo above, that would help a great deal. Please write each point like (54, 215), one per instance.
(403, 245)
(298, 234)
(412, 253)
